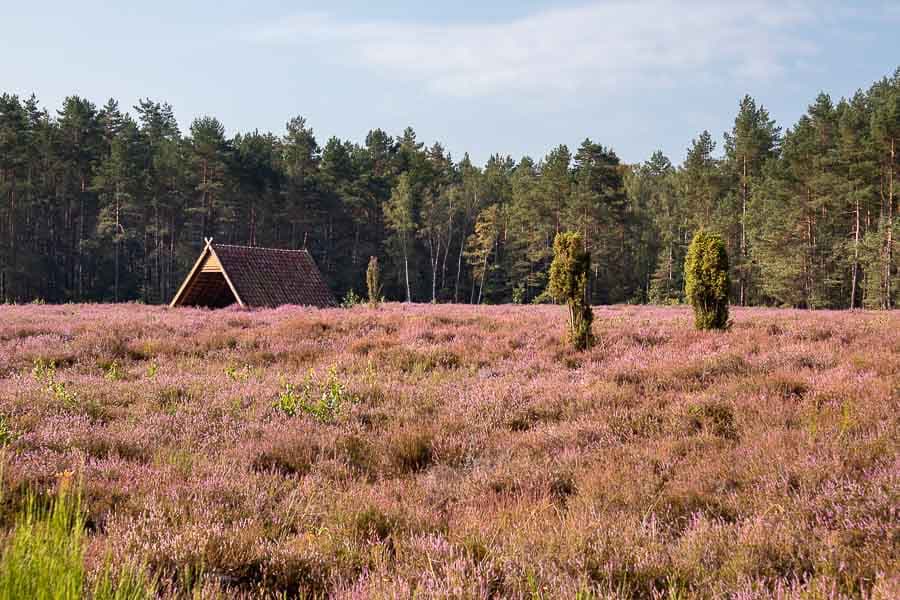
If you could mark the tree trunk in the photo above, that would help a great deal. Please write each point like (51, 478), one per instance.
(80, 268)
(855, 258)
(890, 230)
(434, 258)
(116, 234)
(669, 281)
(447, 249)
(483, 275)
(9, 278)
(462, 247)
(406, 271)
(743, 230)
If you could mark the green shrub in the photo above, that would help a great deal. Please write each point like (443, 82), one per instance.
(114, 371)
(45, 372)
(707, 281)
(373, 282)
(351, 299)
(322, 399)
(568, 283)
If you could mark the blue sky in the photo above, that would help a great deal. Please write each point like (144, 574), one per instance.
(513, 76)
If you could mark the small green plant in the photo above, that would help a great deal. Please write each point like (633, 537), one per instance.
(373, 282)
(293, 397)
(321, 399)
(114, 371)
(518, 294)
(847, 422)
(45, 372)
(707, 281)
(235, 374)
(351, 299)
(371, 374)
(568, 283)
(152, 370)
(7, 434)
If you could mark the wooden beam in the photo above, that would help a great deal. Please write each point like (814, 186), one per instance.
(187, 280)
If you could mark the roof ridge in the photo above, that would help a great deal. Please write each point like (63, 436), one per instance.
(216, 244)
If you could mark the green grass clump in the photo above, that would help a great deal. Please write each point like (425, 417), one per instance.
(43, 558)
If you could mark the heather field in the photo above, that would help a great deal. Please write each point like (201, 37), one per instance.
(457, 451)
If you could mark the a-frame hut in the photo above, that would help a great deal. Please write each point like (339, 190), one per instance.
(253, 277)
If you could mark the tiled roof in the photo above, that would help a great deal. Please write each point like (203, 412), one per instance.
(271, 277)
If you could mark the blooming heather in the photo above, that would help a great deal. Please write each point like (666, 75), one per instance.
(473, 453)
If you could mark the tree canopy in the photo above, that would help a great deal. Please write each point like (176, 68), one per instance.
(101, 204)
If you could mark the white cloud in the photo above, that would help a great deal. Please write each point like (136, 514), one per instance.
(604, 45)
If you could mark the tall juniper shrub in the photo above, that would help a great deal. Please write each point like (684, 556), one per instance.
(706, 280)
(373, 282)
(568, 283)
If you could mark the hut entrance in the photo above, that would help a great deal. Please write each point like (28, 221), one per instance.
(210, 290)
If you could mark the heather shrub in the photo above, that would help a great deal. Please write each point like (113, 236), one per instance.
(568, 283)
(373, 522)
(170, 397)
(359, 454)
(562, 485)
(707, 281)
(465, 458)
(417, 362)
(287, 456)
(411, 451)
(714, 417)
(373, 282)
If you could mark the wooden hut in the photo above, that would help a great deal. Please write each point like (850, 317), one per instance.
(253, 277)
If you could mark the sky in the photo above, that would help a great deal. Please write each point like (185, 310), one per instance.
(515, 77)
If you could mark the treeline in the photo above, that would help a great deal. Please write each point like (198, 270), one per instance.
(102, 205)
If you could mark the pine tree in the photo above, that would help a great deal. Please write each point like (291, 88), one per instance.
(13, 161)
(117, 182)
(885, 126)
(210, 153)
(753, 140)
